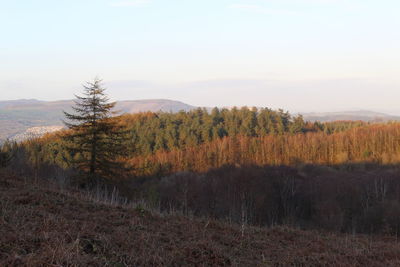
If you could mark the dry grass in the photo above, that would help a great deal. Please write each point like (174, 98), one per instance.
(40, 226)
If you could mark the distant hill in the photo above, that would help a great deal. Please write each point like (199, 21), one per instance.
(135, 106)
(360, 115)
(19, 102)
(17, 116)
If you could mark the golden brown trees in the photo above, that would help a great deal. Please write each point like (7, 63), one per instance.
(375, 143)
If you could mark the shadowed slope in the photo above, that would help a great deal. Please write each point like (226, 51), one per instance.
(43, 226)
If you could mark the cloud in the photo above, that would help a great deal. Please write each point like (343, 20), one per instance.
(262, 10)
(129, 3)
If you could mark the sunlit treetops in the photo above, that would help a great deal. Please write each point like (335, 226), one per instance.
(198, 140)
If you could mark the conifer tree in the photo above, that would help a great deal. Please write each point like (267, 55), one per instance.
(96, 140)
(297, 125)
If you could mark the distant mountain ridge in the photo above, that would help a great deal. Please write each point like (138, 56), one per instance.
(358, 115)
(154, 105)
(19, 102)
(128, 106)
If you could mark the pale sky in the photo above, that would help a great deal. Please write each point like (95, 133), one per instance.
(300, 55)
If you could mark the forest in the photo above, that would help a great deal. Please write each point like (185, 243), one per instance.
(247, 166)
(149, 135)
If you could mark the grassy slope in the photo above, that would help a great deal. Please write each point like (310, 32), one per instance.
(43, 226)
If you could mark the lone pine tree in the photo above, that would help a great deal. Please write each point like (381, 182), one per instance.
(96, 140)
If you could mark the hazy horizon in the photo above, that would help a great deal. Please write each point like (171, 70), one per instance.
(309, 111)
(299, 55)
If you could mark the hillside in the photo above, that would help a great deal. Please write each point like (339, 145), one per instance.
(35, 132)
(44, 226)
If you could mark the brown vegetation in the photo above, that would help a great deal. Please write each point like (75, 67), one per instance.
(43, 226)
(374, 144)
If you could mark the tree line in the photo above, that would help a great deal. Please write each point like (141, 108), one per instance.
(151, 132)
(153, 142)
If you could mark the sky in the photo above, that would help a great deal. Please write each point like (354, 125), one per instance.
(299, 55)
